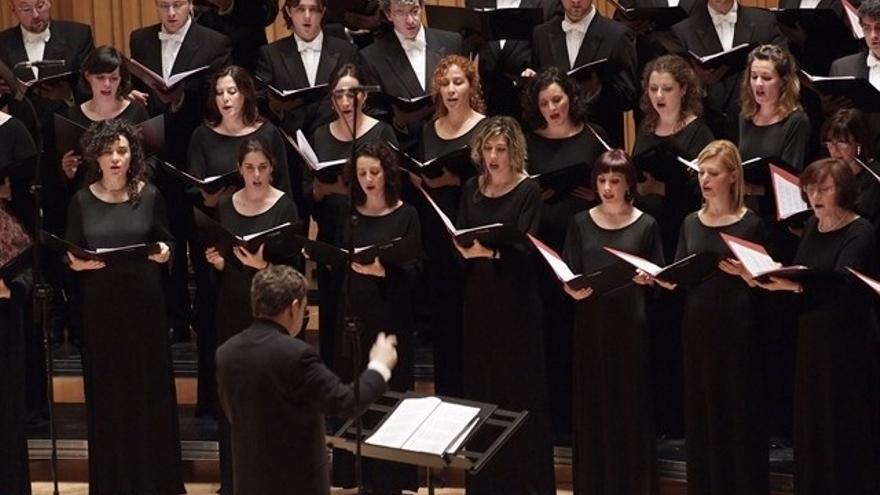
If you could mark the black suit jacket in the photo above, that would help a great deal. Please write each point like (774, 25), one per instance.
(245, 26)
(697, 34)
(201, 46)
(281, 66)
(275, 391)
(856, 65)
(605, 38)
(70, 41)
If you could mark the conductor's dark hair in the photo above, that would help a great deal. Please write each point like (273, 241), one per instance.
(577, 102)
(245, 84)
(388, 159)
(104, 60)
(100, 137)
(274, 288)
(869, 9)
(846, 190)
(288, 21)
(844, 125)
(616, 161)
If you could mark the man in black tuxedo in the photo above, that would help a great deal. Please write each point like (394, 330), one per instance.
(243, 21)
(718, 25)
(582, 36)
(275, 390)
(403, 62)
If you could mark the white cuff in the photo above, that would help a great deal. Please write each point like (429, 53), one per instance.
(379, 367)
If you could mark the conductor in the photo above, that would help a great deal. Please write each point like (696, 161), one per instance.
(275, 390)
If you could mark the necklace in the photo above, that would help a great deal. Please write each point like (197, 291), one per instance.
(833, 227)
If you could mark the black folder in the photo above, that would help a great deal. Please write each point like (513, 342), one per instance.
(304, 96)
(159, 83)
(734, 59)
(492, 235)
(386, 101)
(757, 170)
(12, 168)
(662, 17)
(820, 23)
(691, 270)
(859, 91)
(457, 161)
(565, 179)
(663, 162)
(67, 76)
(69, 133)
(208, 184)
(326, 172)
(581, 73)
(13, 266)
(490, 24)
(396, 251)
(107, 255)
(281, 241)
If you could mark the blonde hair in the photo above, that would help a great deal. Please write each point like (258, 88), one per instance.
(509, 129)
(726, 154)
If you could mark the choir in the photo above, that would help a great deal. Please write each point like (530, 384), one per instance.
(373, 128)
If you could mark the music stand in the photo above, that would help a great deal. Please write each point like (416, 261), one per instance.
(468, 458)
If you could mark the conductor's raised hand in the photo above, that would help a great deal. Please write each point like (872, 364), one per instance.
(79, 264)
(376, 269)
(477, 250)
(163, 255)
(578, 294)
(247, 258)
(384, 350)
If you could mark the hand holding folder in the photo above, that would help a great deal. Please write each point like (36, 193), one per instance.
(102, 255)
(327, 171)
(157, 82)
(601, 281)
(279, 242)
(495, 234)
(688, 271)
(456, 161)
(211, 184)
(396, 251)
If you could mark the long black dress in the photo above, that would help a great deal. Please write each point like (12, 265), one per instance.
(134, 446)
(727, 444)
(836, 391)
(443, 270)
(613, 445)
(327, 213)
(233, 309)
(548, 155)
(504, 342)
(382, 305)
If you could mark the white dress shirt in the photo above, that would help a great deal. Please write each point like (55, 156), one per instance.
(310, 53)
(809, 4)
(416, 53)
(507, 4)
(35, 46)
(171, 44)
(873, 70)
(673, 3)
(575, 32)
(725, 25)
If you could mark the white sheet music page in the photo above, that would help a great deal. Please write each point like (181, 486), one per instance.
(636, 261)
(442, 428)
(787, 188)
(403, 422)
(753, 256)
(873, 284)
(560, 268)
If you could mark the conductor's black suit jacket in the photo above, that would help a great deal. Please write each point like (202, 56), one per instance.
(275, 390)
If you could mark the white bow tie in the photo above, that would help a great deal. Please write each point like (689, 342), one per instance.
(178, 36)
(872, 61)
(412, 45)
(580, 26)
(304, 46)
(729, 17)
(29, 37)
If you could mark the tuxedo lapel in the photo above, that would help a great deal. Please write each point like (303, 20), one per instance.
(188, 50)
(293, 63)
(742, 32)
(861, 70)
(326, 63)
(558, 48)
(592, 41)
(17, 54)
(401, 68)
(705, 31)
(152, 54)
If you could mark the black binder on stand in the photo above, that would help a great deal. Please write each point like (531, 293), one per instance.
(470, 449)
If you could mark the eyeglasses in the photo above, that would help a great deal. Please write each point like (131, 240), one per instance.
(406, 12)
(175, 6)
(814, 188)
(30, 9)
(841, 145)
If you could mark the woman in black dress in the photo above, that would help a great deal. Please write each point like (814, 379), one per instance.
(672, 102)
(333, 142)
(503, 334)
(613, 447)
(727, 444)
(836, 393)
(843, 134)
(258, 206)
(381, 295)
(109, 82)
(458, 97)
(130, 399)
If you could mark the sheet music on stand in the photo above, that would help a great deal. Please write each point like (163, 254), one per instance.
(433, 432)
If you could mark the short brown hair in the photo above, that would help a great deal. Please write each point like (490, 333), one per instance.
(274, 289)
(616, 161)
(847, 124)
(470, 72)
(846, 193)
(786, 67)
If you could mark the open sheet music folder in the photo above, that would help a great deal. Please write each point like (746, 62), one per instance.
(688, 271)
(762, 266)
(107, 255)
(602, 281)
(427, 424)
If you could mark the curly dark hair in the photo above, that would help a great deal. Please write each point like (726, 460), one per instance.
(245, 84)
(100, 136)
(846, 190)
(869, 9)
(471, 73)
(577, 102)
(684, 75)
(104, 60)
(380, 151)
